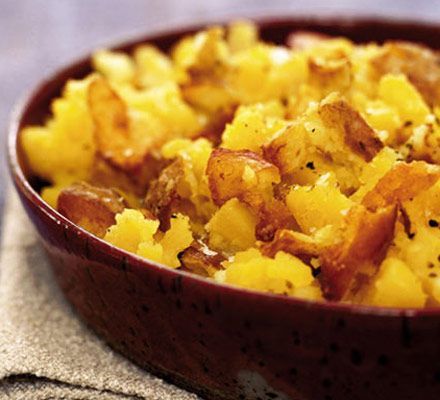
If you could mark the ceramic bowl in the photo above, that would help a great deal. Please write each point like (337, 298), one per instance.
(224, 342)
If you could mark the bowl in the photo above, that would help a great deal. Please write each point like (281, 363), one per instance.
(225, 342)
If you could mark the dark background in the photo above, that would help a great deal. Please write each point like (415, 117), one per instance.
(37, 36)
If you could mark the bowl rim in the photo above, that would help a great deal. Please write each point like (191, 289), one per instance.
(23, 186)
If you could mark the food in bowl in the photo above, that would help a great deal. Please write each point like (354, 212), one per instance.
(307, 170)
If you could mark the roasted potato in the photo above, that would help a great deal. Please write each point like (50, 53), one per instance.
(402, 183)
(163, 198)
(365, 239)
(419, 63)
(93, 208)
(200, 259)
(289, 149)
(249, 178)
(295, 243)
(117, 140)
(241, 174)
(358, 135)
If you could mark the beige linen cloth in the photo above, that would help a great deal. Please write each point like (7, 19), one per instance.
(46, 352)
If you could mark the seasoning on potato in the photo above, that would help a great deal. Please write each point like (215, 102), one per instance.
(307, 170)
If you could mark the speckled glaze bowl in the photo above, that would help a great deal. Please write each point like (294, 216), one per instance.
(224, 342)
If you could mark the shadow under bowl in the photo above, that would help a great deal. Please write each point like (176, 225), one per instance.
(224, 342)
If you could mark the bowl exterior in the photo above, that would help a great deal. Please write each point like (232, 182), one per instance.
(227, 343)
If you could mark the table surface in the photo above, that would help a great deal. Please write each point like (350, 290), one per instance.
(37, 36)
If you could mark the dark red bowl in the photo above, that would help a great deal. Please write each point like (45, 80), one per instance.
(224, 342)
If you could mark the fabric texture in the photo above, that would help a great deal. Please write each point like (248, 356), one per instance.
(46, 352)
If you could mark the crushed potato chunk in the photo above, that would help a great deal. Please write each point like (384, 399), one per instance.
(143, 236)
(396, 285)
(282, 274)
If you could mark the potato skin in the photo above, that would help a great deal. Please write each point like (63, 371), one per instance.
(116, 136)
(225, 176)
(136, 181)
(366, 237)
(419, 63)
(93, 208)
(109, 113)
(330, 74)
(358, 135)
(227, 171)
(163, 198)
(273, 215)
(200, 259)
(288, 150)
(295, 243)
(403, 182)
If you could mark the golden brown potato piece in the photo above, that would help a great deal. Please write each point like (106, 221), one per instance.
(427, 146)
(273, 215)
(295, 243)
(136, 181)
(366, 237)
(105, 174)
(420, 64)
(163, 198)
(242, 174)
(113, 133)
(200, 259)
(93, 208)
(246, 176)
(288, 151)
(358, 135)
(303, 40)
(330, 74)
(401, 183)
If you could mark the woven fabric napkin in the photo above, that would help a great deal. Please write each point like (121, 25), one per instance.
(45, 351)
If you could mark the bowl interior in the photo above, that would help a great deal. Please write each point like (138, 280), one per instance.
(35, 108)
